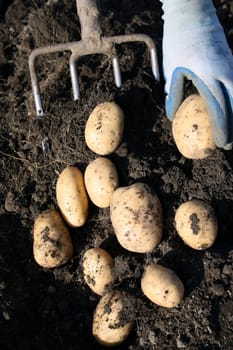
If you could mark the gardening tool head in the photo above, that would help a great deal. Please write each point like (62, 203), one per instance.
(92, 42)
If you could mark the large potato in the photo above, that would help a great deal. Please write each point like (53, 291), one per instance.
(196, 224)
(136, 216)
(162, 286)
(101, 180)
(112, 321)
(104, 128)
(72, 197)
(191, 129)
(98, 270)
(52, 245)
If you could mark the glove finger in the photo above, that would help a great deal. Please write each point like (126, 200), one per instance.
(218, 100)
(214, 96)
(176, 93)
(217, 108)
(228, 93)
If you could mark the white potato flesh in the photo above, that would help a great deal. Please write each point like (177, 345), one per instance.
(192, 130)
(104, 128)
(196, 223)
(101, 180)
(52, 244)
(136, 216)
(72, 196)
(98, 270)
(162, 286)
(109, 326)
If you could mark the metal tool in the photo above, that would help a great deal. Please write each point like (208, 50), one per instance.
(92, 42)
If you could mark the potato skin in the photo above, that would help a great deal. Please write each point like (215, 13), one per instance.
(104, 128)
(72, 197)
(191, 129)
(98, 270)
(136, 216)
(162, 286)
(52, 245)
(109, 328)
(101, 180)
(196, 224)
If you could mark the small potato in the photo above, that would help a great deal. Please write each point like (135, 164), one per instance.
(72, 197)
(191, 129)
(52, 245)
(104, 128)
(101, 180)
(97, 269)
(196, 224)
(136, 216)
(162, 286)
(113, 319)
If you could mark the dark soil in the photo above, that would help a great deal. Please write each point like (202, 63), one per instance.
(43, 309)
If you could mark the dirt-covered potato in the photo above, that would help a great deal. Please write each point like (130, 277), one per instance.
(98, 270)
(104, 128)
(72, 196)
(162, 286)
(196, 224)
(113, 319)
(136, 216)
(101, 180)
(52, 244)
(191, 129)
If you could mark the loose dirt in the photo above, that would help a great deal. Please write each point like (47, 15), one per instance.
(44, 309)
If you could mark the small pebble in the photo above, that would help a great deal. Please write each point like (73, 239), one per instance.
(218, 289)
(180, 344)
(6, 315)
(152, 337)
(227, 270)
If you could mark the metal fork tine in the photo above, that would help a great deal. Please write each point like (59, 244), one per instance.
(74, 77)
(35, 85)
(154, 63)
(37, 98)
(116, 71)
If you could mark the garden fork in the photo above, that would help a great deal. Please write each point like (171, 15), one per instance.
(92, 42)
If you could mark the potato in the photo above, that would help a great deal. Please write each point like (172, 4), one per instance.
(72, 197)
(113, 319)
(191, 129)
(101, 180)
(104, 128)
(52, 245)
(196, 224)
(162, 286)
(136, 216)
(97, 269)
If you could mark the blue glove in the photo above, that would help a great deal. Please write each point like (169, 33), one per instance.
(195, 47)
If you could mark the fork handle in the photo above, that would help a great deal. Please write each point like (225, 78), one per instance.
(89, 18)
